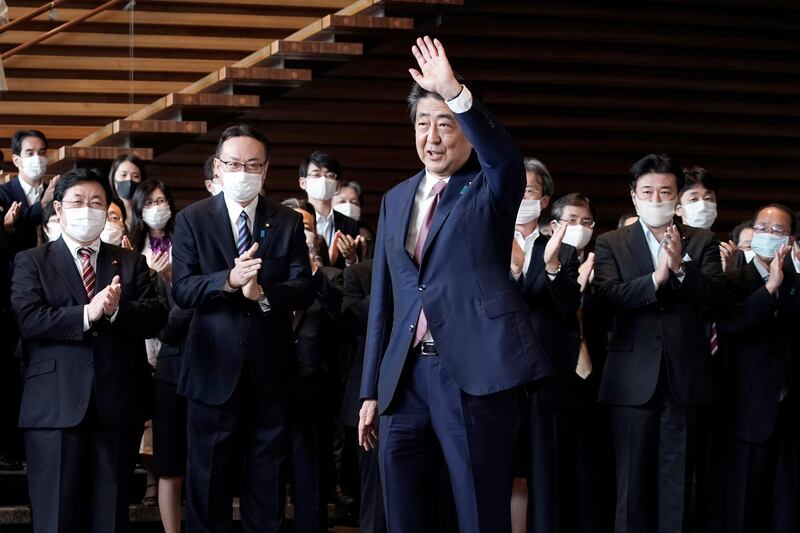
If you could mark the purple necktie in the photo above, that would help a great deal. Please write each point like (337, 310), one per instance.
(422, 322)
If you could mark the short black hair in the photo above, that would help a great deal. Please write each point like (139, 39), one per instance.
(47, 212)
(736, 233)
(300, 203)
(320, 159)
(625, 216)
(697, 176)
(538, 168)
(208, 169)
(117, 162)
(77, 176)
(117, 201)
(417, 93)
(781, 207)
(21, 135)
(656, 164)
(575, 199)
(242, 130)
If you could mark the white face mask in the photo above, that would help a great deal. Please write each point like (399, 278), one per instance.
(528, 210)
(53, 230)
(749, 255)
(320, 188)
(577, 236)
(700, 214)
(241, 187)
(349, 210)
(655, 214)
(34, 167)
(112, 234)
(83, 224)
(157, 216)
(311, 239)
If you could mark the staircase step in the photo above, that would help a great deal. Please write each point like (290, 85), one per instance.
(227, 77)
(171, 105)
(120, 131)
(69, 157)
(278, 51)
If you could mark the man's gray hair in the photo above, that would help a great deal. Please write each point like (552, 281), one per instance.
(538, 168)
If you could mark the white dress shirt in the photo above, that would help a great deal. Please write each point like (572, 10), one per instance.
(526, 243)
(763, 270)
(234, 212)
(73, 247)
(32, 194)
(326, 227)
(424, 195)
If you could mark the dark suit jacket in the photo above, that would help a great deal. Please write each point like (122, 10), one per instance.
(355, 311)
(316, 331)
(553, 306)
(65, 367)
(227, 328)
(475, 312)
(24, 235)
(758, 332)
(649, 324)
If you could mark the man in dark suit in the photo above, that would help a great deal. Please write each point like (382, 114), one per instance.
(319, 177)
(310, 423)
(84, 309)
(761, 480)
(241, 262)
(449, 342)
(659, 282)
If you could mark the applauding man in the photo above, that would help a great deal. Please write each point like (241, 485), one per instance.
(84, 309)
(448, 341)
(241, 262)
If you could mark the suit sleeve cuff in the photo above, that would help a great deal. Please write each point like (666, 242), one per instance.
(461, 103)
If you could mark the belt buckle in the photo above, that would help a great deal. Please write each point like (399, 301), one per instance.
(428, 348)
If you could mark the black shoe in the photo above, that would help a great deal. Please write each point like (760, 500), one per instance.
(10, 463)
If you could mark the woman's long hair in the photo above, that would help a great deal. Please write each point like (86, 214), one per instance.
(139, 229)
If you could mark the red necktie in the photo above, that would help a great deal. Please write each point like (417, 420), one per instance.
(422, 322)
(87, 272)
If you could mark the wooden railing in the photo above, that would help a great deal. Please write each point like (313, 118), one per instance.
(55, 31)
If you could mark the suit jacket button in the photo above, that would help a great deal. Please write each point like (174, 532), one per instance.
(411, 327)
(91, 362)
(94, 334)
(422, 288)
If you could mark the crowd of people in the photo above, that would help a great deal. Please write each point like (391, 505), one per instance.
(482, 362)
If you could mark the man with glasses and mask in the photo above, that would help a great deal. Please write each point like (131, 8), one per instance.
(659, 282)
(319, 175)
(761, 481)
(240, 262)
(84, 309)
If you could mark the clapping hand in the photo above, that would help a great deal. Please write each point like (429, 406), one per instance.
(776, 269)
(245, 268)
(586, 272)
(727, 253)
(517, 258)
(47, 197)
(11, 216)
(435, 73)
(105, 302)
(553, 247)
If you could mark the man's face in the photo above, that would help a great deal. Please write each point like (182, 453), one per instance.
(84, 194)
(31, 146)
(346, 195)
(316, 172)
(655, 187)
(695, 194)
(534, 186)
(745, 239)
(114, 215)
(243, 150)
(441, 144)
(775, 221)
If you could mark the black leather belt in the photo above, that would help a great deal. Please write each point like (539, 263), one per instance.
(428, 349)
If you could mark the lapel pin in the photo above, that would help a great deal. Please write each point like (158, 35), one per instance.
(115, 261)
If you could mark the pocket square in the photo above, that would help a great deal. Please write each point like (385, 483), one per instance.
(687, 258)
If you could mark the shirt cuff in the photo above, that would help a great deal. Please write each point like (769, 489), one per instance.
(551, 276)
(516, 276)
(113, 317)
(227, 287)
(263, 303)
(461, 103)
(655, 283)
(86, 323)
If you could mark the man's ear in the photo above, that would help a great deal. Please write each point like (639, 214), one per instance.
(679, 210)
(57, 207)
(17, 160)
(208, 184)
(302, 181)
(544, 202)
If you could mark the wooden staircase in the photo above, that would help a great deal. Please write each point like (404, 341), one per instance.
(95, 98)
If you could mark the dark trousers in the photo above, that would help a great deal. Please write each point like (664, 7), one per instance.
(654, 445)
(243, 435)
(761, 485)
(10, 396)
(79, 477)
(372, 516)
(432, 419)
(305, 457)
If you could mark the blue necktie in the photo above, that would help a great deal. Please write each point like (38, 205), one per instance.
(243, 238)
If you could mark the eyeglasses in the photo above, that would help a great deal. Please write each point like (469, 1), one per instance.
(317, 174)
(574, 221)
(236, 166)
(775, 230)
(157, 201)
(77, 204)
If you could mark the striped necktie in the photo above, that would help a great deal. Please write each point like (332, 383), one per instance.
(87, 271)
(243, 236)
(422, 321)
